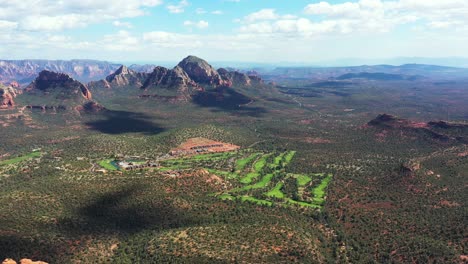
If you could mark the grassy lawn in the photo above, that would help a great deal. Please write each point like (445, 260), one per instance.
(289, 157)
(278, 159)
(21, 158)
(319, 191)
(276, 192)
(241, 163)
(302, 180)
(260, 164)
(261, 184)
(258, 167)
(106, 164)
(226, 196)
(248, 179)
(202, 157)
(224, 155)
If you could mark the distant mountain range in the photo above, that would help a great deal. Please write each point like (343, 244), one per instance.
(442, 61)
(192, 79)
(372, 71)
(378, 76)
(24, 71)
(7, 95)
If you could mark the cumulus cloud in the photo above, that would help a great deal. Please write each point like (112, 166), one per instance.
(165, 39)
(213, 42)
(200, 24)
(7, 25)
(118, 23)
(318, 26)
(363, 16)
(52, 15)
(122, 40)
(178, 8)
(201, 11)
(264, 14)
(388, 14)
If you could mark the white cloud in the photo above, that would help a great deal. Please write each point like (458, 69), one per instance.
(52, 15)
(118, 23)
(347, 9)
(54, 23)
(200, 24)
(151, 2)
(122, 40)
(264, 14)
(199, 42)
(201, 11)
(178, 8)
(364, 16)
(164, 39)
(301, 27)
(7, 25)
(385, 15)
(319, 31)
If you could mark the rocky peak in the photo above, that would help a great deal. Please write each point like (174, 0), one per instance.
(156, 77)
(236, 78)
(176, 78)
(123, 70)
(200, 71)
(124, 76)
(383, 118)
(48, 80)
(91, 107)
(223, 71)
(15, 84)
(7, 94)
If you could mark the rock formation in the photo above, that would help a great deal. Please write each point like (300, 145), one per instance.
(48, 80)
(91, 107)
(126, 77)
(52, 91)
(175, 83)
(440, 131)
(235, 78)
(195, 72)
(7, 95)
(190, 77)
(15, 84)
(176, 78)
(201, 72)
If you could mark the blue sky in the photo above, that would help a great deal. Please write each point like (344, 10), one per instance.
(263, 31)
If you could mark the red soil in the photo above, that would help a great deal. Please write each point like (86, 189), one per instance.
(202, 145)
